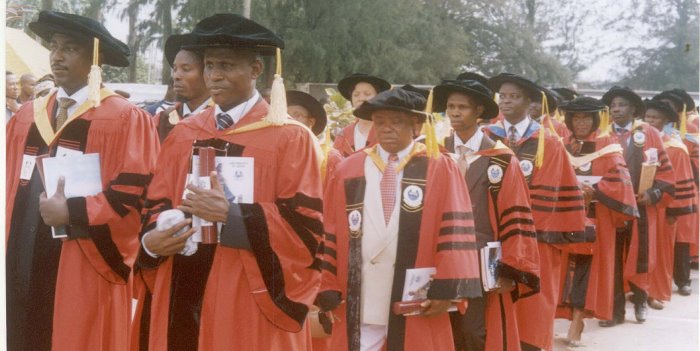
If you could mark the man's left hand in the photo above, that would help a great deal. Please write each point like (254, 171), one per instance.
(435, 307)
(208, 204)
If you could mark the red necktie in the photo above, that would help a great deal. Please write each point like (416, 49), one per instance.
(388, 187)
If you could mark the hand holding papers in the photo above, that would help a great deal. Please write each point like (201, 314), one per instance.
(81, 177)
(646, 177)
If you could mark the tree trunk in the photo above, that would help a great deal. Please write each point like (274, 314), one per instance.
(133, 11)
(167, 32)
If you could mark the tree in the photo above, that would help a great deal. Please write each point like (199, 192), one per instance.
(669, 57)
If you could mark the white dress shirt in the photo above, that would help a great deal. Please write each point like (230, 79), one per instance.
(359, 138)
(520, 127)
(240, 110)
(79, 97)
(473, 144)
(186, 108)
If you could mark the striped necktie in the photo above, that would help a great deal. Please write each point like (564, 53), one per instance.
(63, 105)
(223, 121)
(512, 136)
(388, 187)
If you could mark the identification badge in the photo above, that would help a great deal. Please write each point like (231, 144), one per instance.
(526, 167)
(28, 162)
(494, 173)
(413, 197)
(639, 138)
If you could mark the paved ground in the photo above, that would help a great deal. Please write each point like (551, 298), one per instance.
(675, 328)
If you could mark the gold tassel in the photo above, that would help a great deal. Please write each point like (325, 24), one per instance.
(604, 126)
(278, 99)
(539, 156)
(684, 123)
(431, 143)
(95, 76)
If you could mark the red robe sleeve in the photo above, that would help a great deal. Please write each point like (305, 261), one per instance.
(684, 204)
(663, 190)
(511, 219)
(456, 254)
(556, 199)
(127, 167)
(615, 191)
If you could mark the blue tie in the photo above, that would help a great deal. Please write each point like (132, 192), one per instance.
(223, 121)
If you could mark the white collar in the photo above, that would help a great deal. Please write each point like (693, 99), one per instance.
(627, 126)
(520, 127)
(186, 108)
(79, 96)
(237, 112)
(473, 144)
(401, 154)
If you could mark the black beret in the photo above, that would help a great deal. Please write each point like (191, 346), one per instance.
(531, 89)
(473, 76)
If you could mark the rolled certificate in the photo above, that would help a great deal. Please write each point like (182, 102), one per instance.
(207, 164)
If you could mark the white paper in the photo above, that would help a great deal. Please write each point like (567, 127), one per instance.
(589, 180)
(237, 175)
(651, 156)
(28, 162)
(63, 152)
(82, 178)
(417, 283)
(489, 256)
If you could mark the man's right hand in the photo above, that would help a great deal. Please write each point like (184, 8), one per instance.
(162, 243)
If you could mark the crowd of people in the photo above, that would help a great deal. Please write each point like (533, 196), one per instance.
(234, 220)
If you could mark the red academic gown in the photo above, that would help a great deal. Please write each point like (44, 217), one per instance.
(559, 214)
(438, 232)
(613, 204)
(345, 142)
(693, 151)
(503, 216)
(229, 298)
(641, 255)
(684, 209)
(80, 287)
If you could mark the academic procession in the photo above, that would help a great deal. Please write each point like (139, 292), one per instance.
(466, 215)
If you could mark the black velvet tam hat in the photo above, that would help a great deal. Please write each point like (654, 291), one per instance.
(471, 88)
(233, 31)
(347, 84)
(114, 52)
(316, 110)
(397, 99)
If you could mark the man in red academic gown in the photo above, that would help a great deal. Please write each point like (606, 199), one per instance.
(635, 244)
(358, 88)
(502, 216)
(587, 277)
(684, 104)
(74, 293)
(677, 223)
(555, 198)
(251, 289)
(395, 207)
(191, 92)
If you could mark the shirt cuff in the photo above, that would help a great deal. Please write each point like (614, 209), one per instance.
(143, 244)
(234, 233)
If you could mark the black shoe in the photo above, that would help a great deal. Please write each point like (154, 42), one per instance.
(611, 323)
(685, 290)
(640, 312)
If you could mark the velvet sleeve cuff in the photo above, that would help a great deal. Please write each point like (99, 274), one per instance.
(77, 218)
(234, 233)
